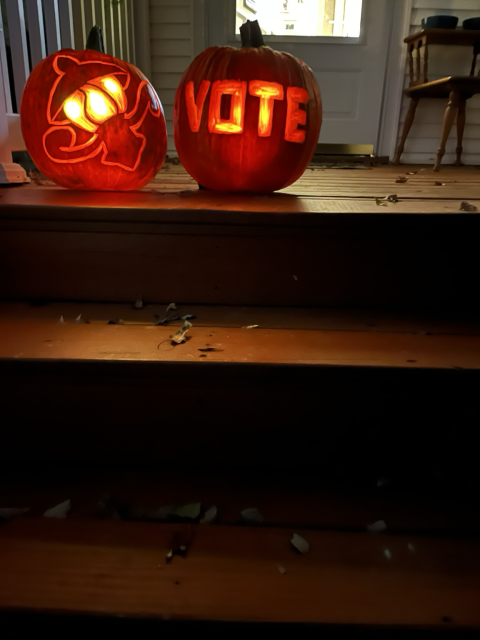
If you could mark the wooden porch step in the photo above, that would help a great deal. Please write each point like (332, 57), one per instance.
(418, 575)
(300, 418)
(326, 419)
(224, 335)
(307, 388)
(239, 574)
(328, 245)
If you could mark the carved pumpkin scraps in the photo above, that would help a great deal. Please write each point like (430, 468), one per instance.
(91, 121)
(247, 119)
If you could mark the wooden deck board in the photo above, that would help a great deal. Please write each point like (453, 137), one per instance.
(450, 183)
(317, 191)
(232, 574)
(53, 203)
(25, 335)
(352, 320)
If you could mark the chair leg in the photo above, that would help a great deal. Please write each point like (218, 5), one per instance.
(406, 129)
(448, 120)
(460, 130)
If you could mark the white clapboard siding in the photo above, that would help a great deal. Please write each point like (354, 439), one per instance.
(171, 46)
(424, 137)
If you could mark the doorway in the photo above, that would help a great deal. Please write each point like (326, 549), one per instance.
(345, 42)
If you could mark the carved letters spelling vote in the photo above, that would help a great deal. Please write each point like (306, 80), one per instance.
(267, 92)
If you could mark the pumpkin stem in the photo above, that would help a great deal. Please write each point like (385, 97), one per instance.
(251, 34)
(95, 40)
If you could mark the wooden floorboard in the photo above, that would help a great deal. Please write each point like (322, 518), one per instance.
(420, 190)
(119, 568)
(323, 319)
(33, 203)
(408, 182)
(26, 334)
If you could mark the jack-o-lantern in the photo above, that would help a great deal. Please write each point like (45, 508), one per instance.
(247, 119)
(91, 121)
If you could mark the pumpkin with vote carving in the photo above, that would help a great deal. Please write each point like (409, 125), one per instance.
(247, 119)
(91, 121)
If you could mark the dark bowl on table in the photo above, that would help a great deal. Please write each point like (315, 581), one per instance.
(472, 23)
(440, 22)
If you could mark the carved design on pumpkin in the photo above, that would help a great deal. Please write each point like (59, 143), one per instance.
(91, 107)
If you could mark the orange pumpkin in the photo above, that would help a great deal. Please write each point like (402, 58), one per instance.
(247, 119)
(91, 121)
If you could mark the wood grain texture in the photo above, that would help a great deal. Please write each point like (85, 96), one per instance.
(319, 185)
(283, 249)
(122, 394)
(173, 242)
(26, 336)
(330, 319)
(232, 574)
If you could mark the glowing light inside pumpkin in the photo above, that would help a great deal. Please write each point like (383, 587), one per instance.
(195, 107)
(98, 105)
(111, 85)
(74, 108)
(268, 92)
(111, 91)
(238, 90)
(295, 115)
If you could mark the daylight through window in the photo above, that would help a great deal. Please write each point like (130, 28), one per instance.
(340, 18)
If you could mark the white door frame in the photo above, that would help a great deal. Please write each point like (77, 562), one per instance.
(394, 80)
(394, 73)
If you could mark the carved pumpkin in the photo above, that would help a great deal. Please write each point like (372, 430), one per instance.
(247, 119)
(91, 121)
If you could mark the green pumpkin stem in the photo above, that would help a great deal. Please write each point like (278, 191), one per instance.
(251, 34)
(95, 40)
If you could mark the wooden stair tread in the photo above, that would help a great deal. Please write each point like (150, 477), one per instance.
(26, 333)
(231, 573)
(53, 203)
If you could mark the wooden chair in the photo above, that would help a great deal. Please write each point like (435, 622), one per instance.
(458, 89)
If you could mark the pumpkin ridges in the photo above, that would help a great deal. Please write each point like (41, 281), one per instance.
(93, 174)
(245, 161)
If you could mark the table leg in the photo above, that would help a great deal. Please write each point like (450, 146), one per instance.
(460, 130)
(406, 129)
(449, 119)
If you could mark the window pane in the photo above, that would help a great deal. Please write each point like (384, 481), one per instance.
(340, 18)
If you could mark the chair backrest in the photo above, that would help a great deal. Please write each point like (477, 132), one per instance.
(418, 62)
(418, 50)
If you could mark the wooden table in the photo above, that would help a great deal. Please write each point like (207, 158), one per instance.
(458, 89)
